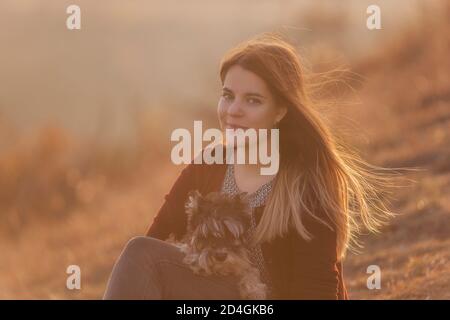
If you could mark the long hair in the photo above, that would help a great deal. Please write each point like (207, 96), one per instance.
(318, 175)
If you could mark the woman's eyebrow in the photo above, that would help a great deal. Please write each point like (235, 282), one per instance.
(253, 94)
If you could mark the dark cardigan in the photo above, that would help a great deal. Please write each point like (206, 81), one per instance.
(299, 269)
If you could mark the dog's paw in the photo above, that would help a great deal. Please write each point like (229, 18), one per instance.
(196, 269)
(183, 247)
(254, 292)
(258, 296)
(254, 295)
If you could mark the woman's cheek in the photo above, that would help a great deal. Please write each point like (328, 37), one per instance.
(221, 111)
(257, 118)
(265, 117)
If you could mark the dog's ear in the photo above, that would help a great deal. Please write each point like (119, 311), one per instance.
(242, 204)
(192, 203)
(241, 197)
(235, 229)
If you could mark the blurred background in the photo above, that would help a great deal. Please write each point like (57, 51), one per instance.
(86, 117)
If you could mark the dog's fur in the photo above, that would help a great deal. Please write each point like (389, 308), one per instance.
(215, 242)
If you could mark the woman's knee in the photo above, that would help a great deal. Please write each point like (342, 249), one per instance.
(142, 246)
(139, 244)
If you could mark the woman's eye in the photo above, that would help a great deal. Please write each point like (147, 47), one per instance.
(226, 96)
(254, 101)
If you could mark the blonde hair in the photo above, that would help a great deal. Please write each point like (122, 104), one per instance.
(318, 176)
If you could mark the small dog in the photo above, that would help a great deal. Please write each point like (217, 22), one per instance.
(215, 240)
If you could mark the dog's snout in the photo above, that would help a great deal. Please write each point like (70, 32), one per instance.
(220, 256)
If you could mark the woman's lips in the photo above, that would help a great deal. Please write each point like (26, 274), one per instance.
(233, 126)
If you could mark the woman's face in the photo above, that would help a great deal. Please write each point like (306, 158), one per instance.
(247, 102)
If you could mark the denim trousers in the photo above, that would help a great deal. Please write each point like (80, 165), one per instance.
(152, 269)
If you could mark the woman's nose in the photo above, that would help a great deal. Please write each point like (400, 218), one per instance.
(234, 109)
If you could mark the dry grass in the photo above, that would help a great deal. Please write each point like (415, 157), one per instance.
(406, 114)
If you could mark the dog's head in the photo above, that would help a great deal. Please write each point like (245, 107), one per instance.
(218, 223)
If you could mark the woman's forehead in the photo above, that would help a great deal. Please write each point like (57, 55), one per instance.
(242, 81)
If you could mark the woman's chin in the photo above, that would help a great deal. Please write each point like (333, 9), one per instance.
(237, 145)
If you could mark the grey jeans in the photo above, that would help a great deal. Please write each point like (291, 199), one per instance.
(149, 268)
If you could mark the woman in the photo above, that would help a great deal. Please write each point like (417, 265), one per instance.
(305, 216)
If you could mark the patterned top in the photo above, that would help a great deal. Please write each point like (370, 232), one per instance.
(256, 199)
